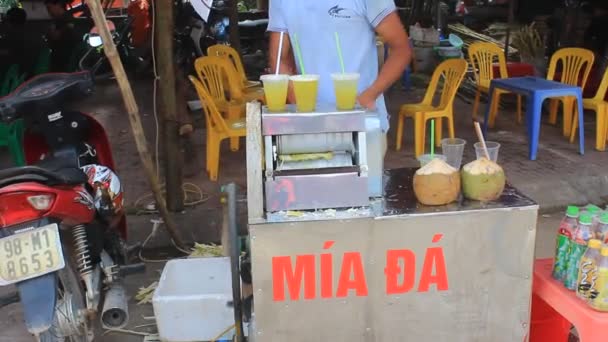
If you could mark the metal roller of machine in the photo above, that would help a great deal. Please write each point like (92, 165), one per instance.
(317, 160)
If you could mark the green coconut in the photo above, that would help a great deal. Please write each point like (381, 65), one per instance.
(483, 180)
(436, 183)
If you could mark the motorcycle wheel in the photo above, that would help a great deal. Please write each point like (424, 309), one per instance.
(69, 289)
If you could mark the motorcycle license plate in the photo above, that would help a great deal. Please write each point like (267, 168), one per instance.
(30, 254)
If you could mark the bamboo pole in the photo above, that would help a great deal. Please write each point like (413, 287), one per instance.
(134, 118)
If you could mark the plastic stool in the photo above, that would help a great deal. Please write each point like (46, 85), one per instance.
(11, 80)
(11, 136)
(547, 324)
(592, 326)
(43, 64)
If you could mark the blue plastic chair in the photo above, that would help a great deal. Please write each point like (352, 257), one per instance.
(537, 90)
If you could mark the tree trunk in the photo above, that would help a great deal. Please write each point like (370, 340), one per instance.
(168, 110)
(233, 16)
(262, 5)
(133, 114)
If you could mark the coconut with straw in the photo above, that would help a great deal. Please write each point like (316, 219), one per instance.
(483, 180)
(437, 182)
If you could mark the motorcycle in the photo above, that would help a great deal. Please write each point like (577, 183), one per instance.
(62, 225)
(95, 60)
(193, 35)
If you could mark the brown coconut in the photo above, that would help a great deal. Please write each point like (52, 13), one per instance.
(437, 183)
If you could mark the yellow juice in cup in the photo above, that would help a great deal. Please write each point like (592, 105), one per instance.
(345, 87)
(305, 88)
(275, 91)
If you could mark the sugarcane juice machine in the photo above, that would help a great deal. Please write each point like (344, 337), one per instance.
(325, 159)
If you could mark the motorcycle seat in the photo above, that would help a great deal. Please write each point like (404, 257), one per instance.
(61, 169)
(71, 174)
(41, 175)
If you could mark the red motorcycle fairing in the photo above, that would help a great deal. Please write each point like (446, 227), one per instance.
(35, 148)
(72, 205)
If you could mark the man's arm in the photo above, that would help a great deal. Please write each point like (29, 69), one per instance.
(399, 57)
(287, 61)
(277, 23)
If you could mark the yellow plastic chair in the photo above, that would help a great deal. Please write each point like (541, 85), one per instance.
(218, 128)
(252, 90)
(600, 107)
(576, 64)
(450, 72)
(482, 56)
(213, 73)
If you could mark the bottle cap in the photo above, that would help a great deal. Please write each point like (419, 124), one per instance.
(595, 244)
(572, 211)
(604, 251)
(585, 218)
(593, 209)
(604, 218)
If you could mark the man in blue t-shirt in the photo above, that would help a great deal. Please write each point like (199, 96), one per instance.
(357, 22)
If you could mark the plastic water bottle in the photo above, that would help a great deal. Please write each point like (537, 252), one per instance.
(578, 246)
(586, 288)
(601, 301)
(601, 232)
(564, 237)
(595, 212)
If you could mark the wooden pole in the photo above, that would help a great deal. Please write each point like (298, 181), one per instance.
(511, 19)
(170, 127)
(233, 16)
(133, 113)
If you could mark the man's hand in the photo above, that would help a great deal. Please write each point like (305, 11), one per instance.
(367, 99)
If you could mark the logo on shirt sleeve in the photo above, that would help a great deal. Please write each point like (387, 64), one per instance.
(338, 12)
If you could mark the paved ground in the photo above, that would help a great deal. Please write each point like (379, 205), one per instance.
(560, 176)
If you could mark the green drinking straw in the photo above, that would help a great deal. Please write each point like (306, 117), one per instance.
(432, 139)
(339, 51)
(298, 53)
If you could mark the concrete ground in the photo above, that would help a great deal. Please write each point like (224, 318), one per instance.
(559, 177)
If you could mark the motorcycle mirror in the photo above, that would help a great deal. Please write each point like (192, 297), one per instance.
(94, 39)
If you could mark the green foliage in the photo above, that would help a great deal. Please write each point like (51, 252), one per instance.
(246, 5)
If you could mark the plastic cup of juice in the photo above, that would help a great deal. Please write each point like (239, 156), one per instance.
(275, 90)
(305, 88)
(345, 86)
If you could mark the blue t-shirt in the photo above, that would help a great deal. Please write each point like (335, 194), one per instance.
(315, 22)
